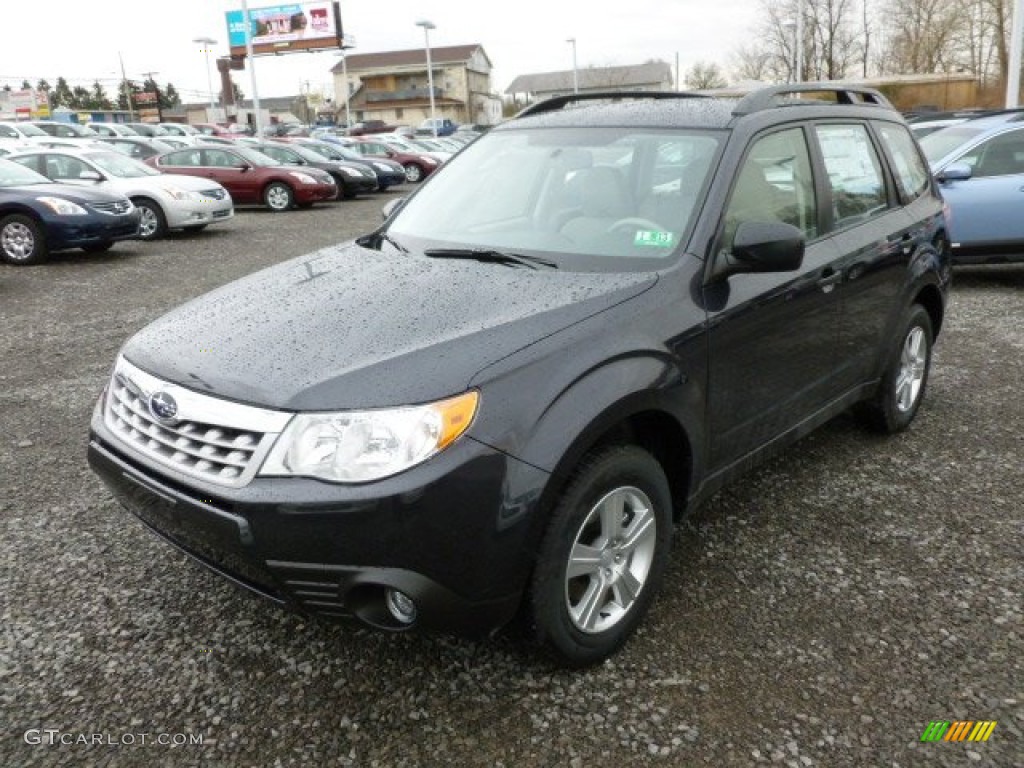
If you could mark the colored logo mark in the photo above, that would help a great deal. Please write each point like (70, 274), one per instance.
(959, 730)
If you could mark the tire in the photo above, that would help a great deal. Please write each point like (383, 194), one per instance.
(413, 173)
(278, 196)
(22, 240)
(98, 247)
(153, 223)
(195, 228)
(615, 495)
(905, 379)
(342, 193)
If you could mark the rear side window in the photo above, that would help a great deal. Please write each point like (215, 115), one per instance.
(190, 157)
(854, 173)
(911, 174)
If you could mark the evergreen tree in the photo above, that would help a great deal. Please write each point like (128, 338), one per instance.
(27, 86)
(98, 97)
(169, 97)
(61, 95)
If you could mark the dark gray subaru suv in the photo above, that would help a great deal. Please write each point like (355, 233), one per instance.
(499, 402)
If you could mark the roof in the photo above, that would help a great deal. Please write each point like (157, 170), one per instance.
(593, 77)
(452, 54)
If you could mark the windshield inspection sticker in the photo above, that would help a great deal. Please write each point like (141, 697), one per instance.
(653, 238)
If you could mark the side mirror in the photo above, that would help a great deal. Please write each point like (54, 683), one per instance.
(392, 206)
(762, 246)
(955, 172)
(90, 176)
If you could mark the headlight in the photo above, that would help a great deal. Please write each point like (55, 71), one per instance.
(351, 172)
(305, 178)
(360, 446)
(430, 161)
(62, 207)
(181, 194)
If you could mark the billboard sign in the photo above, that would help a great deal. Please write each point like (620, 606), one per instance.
(24, 104)
(289, 27)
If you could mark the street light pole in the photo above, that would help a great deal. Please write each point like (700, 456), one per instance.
(575, 71)
(798, 75)
(127, 89)
(427, 26)
(790, 25)
(208, 42)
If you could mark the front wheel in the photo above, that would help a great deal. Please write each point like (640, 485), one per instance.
(413, 173)
(22, 240)
(905, 379)
(602, 557)
(278, 196)
(152, 222)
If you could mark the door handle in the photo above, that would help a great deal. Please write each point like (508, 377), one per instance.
(904, 242)
(830, 278)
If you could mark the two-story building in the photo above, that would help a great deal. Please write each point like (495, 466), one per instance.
(393, 86)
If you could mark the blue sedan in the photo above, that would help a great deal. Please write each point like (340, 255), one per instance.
(38, 216)
(980, 167)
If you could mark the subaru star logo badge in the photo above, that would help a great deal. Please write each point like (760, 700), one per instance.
(163, 406)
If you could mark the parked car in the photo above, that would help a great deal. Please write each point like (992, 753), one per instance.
(414, 146)
(438, 126)
(164, 202)
(112, 129)
(210, 129)
(22, 134)
(149, 130)
(222, 141)
(567, 362)
(70, 134)
(417, 165)
(351, 179)
(251, 177)
(980, 165)
(370, 126)
(389, 173)
(38, 217)
(137, 147)
(181, 129)
(925, 123)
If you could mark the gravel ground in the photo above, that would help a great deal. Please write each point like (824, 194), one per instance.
(820, 612)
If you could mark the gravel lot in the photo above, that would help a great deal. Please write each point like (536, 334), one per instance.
(821, 612)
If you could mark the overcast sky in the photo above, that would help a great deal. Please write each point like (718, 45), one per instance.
(80, 39)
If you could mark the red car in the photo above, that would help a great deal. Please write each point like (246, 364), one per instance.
(251, 177)
(417, 166)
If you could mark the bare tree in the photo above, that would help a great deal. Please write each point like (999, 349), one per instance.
(921, 35)
(705, 76)
(750, 63)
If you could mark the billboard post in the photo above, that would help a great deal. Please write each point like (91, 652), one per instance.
(252, 68)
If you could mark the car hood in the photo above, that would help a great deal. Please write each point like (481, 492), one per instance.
(70, 192)
(348, 327)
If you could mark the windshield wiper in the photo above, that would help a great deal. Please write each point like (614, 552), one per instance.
(491, 256)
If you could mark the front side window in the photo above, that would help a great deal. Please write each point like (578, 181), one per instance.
(587, 198)
(1002, 155)
(854, 173)
(189, 157)
(775, 183)
(63, 167)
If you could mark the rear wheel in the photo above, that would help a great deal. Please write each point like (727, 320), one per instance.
(152, 222)
(22, 240)
(413, 173)
(278, 196)
(903, 385)
(602, 557)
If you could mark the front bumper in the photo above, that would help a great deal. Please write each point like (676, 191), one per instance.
(64, 232)
(440, 533)
(193, 213)
(313, 193)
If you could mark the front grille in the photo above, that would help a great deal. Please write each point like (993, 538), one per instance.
(116, 208)
(208, 438)
(216, 194)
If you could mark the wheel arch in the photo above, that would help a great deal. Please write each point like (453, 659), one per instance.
(930, 297)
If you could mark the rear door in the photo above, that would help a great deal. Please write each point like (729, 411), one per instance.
(875, 238)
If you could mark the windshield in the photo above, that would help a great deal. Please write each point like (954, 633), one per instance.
(254, 157)
(82, 130)
(586, 198)
(940, 143)
(14, 175)
(121, 166)
(332, 152)
(31, 130)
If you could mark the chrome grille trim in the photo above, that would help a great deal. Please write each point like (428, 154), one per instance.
(116, 208)
(215, 440)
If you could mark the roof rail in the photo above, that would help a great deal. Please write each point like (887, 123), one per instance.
(560, 102)
(764, 98)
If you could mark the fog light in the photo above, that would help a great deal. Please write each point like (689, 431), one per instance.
(401, 606)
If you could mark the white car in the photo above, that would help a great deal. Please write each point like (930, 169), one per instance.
(181, 129)
(165, 201)
(112, 129)
(65, 134)
(15, 134)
